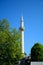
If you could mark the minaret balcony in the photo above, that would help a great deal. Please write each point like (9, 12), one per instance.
(22, 29)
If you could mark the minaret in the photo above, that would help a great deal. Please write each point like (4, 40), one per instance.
(22, 33)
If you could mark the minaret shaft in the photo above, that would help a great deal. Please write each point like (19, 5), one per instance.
(22, 35)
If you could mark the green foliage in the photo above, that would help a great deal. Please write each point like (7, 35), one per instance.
(37, 52)
(4, 25)
(10, 44)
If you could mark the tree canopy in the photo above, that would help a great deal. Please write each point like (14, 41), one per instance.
(4, 25)
(37, 52)
(10, 44)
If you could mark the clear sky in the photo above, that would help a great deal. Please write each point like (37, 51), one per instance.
(32, 11)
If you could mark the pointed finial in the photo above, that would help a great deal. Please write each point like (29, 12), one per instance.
(22, 18)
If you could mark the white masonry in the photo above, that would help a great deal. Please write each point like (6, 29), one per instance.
(22, 33)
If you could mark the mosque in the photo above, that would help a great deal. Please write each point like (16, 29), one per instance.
(25, 60)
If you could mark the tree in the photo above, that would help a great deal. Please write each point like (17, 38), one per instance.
(10, 44)
(37, 52)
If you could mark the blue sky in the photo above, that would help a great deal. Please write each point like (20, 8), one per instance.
(32, 11)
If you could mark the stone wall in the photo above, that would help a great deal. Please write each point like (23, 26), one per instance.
(36, 63)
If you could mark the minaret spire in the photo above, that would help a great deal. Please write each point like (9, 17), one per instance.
(22, 18)
(22, 33)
